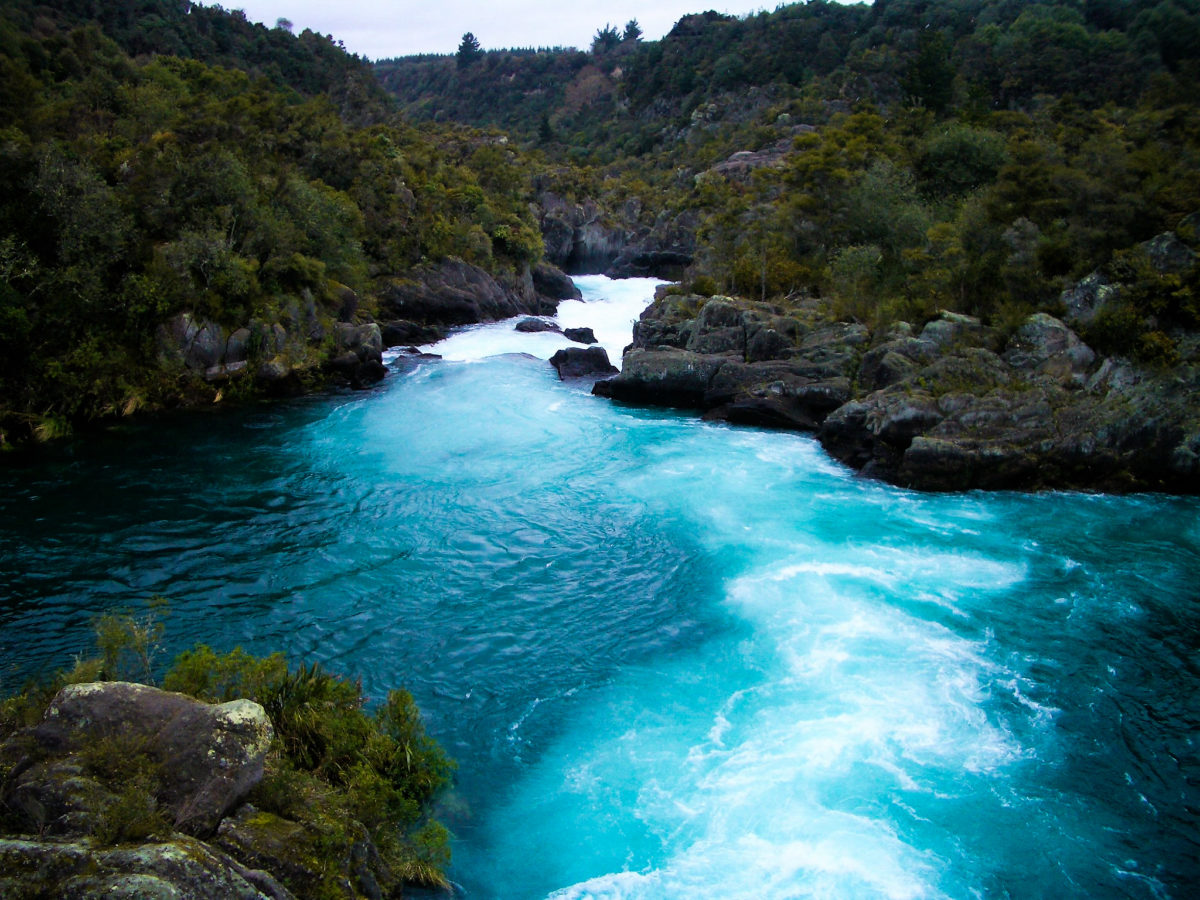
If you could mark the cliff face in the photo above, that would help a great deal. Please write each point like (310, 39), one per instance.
(952, 405)
(586, 238)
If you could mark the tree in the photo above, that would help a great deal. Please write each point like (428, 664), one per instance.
(606, 39)
(930, 77)
(633, 31)
(468, 51)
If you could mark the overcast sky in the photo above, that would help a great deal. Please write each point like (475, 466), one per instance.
(382, 28)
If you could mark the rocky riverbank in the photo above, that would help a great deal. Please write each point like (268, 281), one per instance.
(948, 405)
(311, 342)
(125, 790)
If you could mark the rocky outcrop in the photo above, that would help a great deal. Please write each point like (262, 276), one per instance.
(125, 790)
(358, 354)
(738, 361)
(663, 250)
(403, 333)
(582, 362)
(550, 281)
(296, 854)
(585, 238)
(578, 237)
(454, 292)
(741, 165)
(953, 406)
(205, 758)
(281, 356)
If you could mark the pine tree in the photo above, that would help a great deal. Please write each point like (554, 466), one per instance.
(468, 51)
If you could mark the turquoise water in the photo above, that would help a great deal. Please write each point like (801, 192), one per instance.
(673, 659)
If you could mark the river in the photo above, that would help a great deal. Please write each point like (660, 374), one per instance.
(673, 659)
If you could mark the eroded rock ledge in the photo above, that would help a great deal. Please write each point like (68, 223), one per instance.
(949, 406)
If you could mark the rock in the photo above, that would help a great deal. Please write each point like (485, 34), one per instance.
(883, 367)
(582, 362)
(237, 348)
(772, 395)
(365, 340)
(197, 343)
(531, 325)
(289, 849)
(224, 372)
(1168, 254)
(551, 281)
(1043, 345)
(179, 869)
(664, 250)
(205, 757)
(454, 292)
(578, 237)
(895, 360)
(719, 328)
(402, 333)
(740, 165)
(1088, 299)
(347, 303)
(662, 378)
(273, 371)
(766, 344)
(358, 356)
(939, 411)
(952, 328)
(580, 335)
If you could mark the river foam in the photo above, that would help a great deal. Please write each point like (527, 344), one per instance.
(608, 307)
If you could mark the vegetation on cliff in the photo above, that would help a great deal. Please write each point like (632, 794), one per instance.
(901, 158)
(159, 158)
(343, 791)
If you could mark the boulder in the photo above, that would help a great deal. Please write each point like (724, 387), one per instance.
(953, 328)
(664, 250)
(1168, 254)
(530, 325)
(358, 355)
(203, 758)
(237, 348)
(663, 378)
(580, 335)
(551, 281)
(766, 344)
(740, 165)
(402, 333)
(1088, 298)
(582, 362)
(1043, 345)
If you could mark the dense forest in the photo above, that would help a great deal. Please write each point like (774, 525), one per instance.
(897, 158)
(162, 157)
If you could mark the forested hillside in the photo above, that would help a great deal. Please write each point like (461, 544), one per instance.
(897, 158)
(164, 164)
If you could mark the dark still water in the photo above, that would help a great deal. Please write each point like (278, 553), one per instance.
(673, 660)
